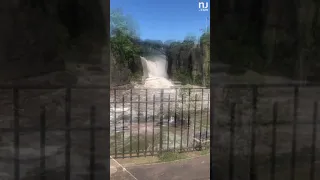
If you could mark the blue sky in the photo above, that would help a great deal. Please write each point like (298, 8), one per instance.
(165, 19)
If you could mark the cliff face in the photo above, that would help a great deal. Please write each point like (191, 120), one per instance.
(39, 36)
(271, 34)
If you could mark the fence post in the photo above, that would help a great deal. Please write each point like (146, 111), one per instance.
(146, 126)
(181, 123)
(232, 141)
(92, 141)
(138, 151)
(314, 140)
(123, 134)
(274, 142)
(188, 132)
(16, 134)
(253, 133)
(130, 123)
(115, 122)
(153, 108)
(201, 113)
(42, 142)
(294, 131)
(161, 118)
(67, 133)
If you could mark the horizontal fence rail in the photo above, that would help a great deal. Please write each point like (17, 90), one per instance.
(212, 85)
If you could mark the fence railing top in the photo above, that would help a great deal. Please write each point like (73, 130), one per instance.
(267, 85)
(32, 86)
(25, 86)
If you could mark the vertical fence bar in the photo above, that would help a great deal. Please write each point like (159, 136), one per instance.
(138, 151)
(212, 127)
(42, 143)
(146, 126)
(188, 125)
(314, 140)
(231, 145)
(194, 121)
(123, 146)
(169, 116)
(175, 121)
(67, 133)
(130, 123)
(207, 123)
(153, 109)
(161, 119)
(92, 142)
(201, 117)
(115, 122)
(253, 133)
(294, 132)
(16, 133)
(239, 118)
(181, 123)
(274, 141)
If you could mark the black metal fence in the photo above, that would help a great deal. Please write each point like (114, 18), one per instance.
(40, 125)
(272, 144)
(151, 121)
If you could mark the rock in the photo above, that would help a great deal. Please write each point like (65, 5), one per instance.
(205, 135)
(178, 122)
(118, 75)
(175, 123)
(64, 78)
(22, 69)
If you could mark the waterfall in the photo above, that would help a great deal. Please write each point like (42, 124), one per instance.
(155, 72)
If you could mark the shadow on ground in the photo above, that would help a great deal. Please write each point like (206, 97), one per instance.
(192, 169)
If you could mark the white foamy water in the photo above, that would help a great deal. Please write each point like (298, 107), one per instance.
(157, 82)
(155, 73)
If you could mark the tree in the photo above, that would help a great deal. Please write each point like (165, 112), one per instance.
(123, 23)
(205, 48)
(123, 39)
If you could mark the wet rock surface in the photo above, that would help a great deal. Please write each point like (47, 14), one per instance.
(146, 103)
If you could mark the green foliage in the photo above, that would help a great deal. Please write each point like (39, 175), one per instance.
(189, 42)
(205, 39)
(123, 34)
(123, 23)
(123, 47)
(205, 46)
(185, 54)
(183, 76)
